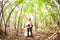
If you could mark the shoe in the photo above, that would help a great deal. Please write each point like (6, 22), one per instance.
(27, 36)
(31, 35)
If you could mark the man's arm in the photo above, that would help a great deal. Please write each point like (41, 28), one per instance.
(31, 24)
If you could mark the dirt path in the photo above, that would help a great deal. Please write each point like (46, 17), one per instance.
(12, 35)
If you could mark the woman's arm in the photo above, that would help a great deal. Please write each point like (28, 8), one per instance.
(27, 18)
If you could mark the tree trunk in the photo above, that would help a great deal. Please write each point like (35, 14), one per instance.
(8, 18)
(1, 15)
(35, 22)
(19, 19)
(53, 36)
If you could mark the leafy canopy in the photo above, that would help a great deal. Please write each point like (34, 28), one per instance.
(17, 2)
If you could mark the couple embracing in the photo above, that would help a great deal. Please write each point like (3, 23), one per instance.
(29, 26)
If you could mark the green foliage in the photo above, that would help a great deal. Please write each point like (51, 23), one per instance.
(17, 2)
(45, 11)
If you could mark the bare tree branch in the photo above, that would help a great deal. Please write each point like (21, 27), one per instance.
(5, 3)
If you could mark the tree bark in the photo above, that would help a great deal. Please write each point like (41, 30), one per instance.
(19, 19)
(8, 18)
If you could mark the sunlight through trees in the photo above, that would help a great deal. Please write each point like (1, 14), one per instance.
(45, 14)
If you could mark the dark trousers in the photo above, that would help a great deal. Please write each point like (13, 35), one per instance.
(29, 29)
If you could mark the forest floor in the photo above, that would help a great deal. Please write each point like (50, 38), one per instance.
(12, 35)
